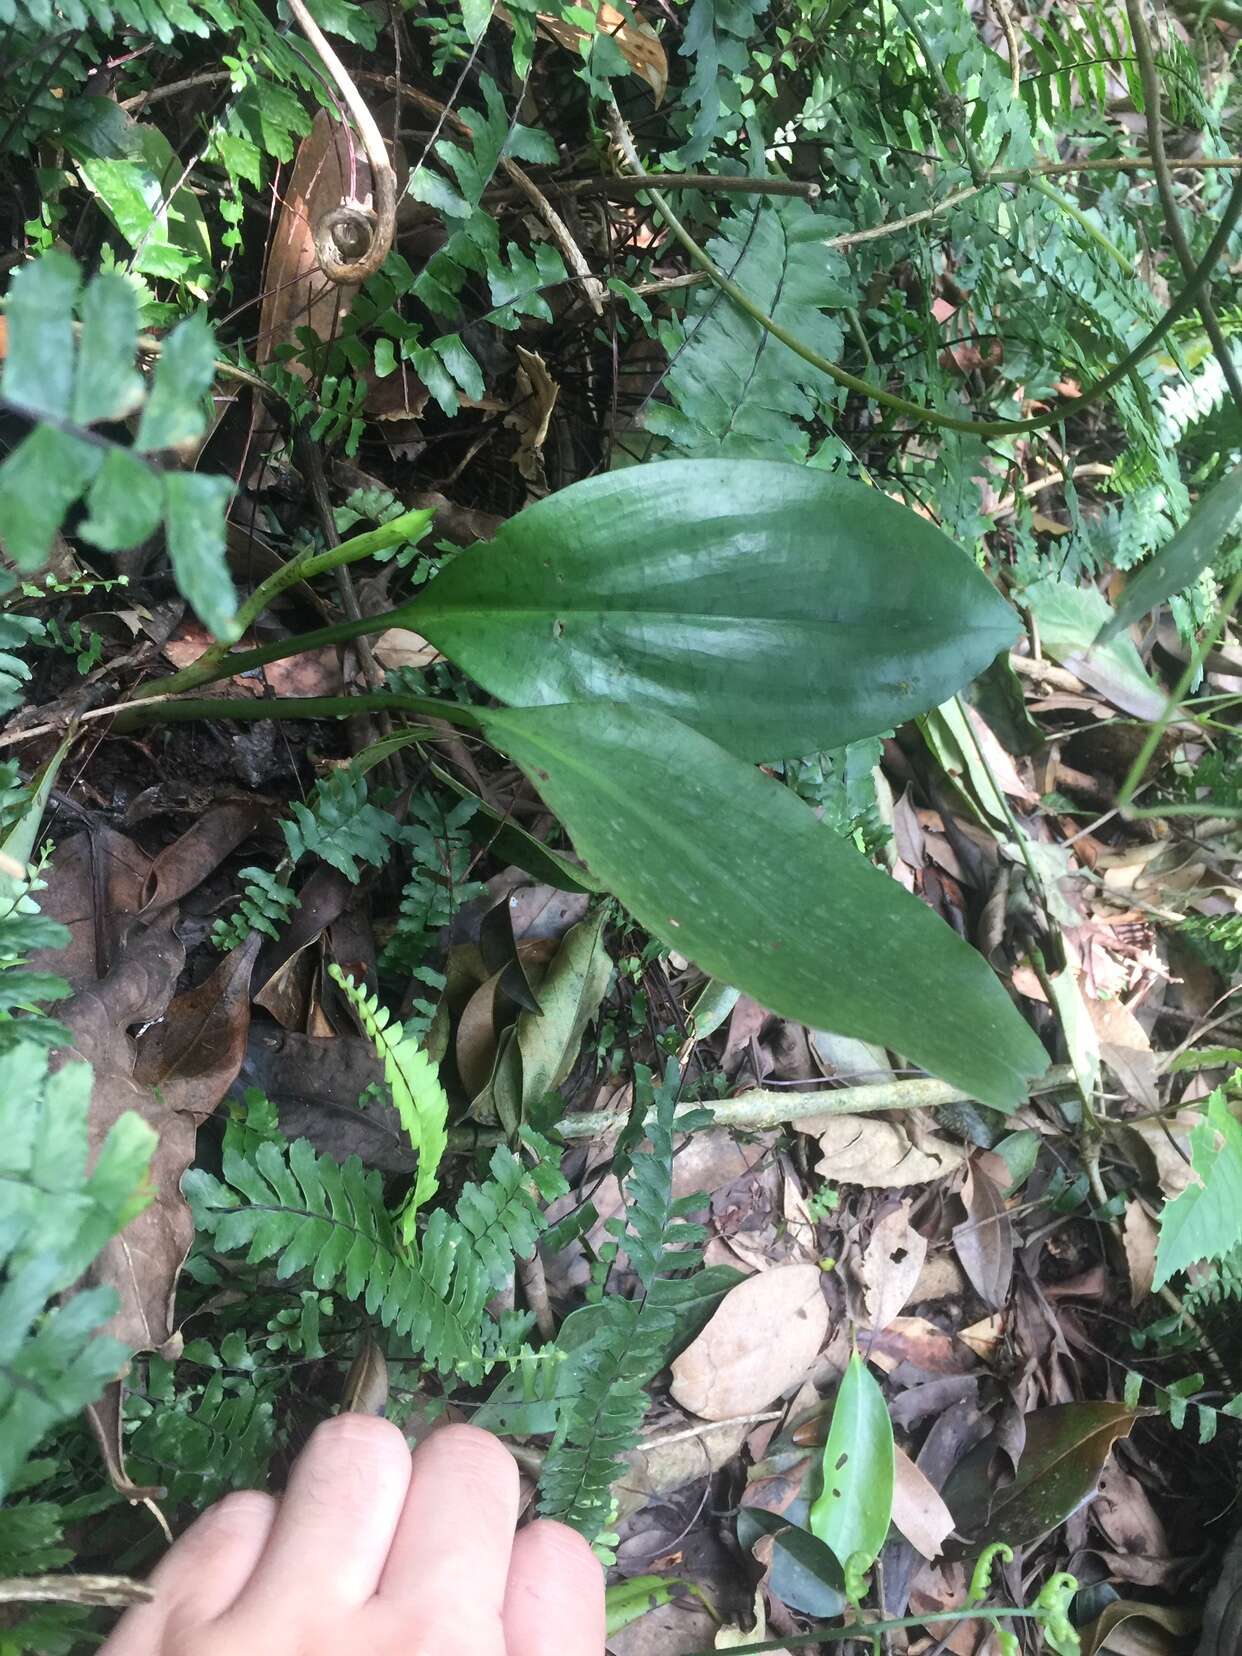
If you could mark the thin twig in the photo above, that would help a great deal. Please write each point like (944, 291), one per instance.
(574, 256)
(112, 1591)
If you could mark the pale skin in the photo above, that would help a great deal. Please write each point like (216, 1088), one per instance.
(372, 1552)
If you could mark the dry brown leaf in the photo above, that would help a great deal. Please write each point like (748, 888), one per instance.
(984, 1337)
(762, 1339)
(95, 889)
(400, 647)
(637, 42)
(891, 1265)
(142, 1263)
(984, 1243)
(1126, 1517)
(919, 1511)
(309, 673)
(920, 1343)
(879, 1154)
(191, 1056)
(1139, 1234)
(296, 293)
(1126, 1049)
(182, 866)
(535, 393)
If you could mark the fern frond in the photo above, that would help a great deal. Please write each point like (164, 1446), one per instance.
(1217, 937)
(265, 906)
(414, 1082)
(733, 387)
(603, 1383)
(340, 825)
(309, 1213)
(201, 1441)
(439, 881)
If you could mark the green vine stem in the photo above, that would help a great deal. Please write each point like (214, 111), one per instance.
(1186, 300)
(216, 662)
(181, 708)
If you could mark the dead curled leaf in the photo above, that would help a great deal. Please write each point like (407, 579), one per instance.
(761, 1341)
(891, 1265)
(880, 1154)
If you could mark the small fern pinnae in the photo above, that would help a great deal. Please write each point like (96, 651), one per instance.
(414, 1082)
(266, 904)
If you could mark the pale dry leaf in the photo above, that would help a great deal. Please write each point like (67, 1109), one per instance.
(637, 42)
(1126, 1049)
(733, 1637)
(984, 1337)
(891, 1265)
(761, 1341)
(919, 1511)
(1126, 1517)
(668, 1459)
(1004, 771)
(1139, 1234)
(535, 393)
(401, 647)
(879, 1154)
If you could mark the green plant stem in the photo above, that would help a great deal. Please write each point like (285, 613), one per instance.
(762, 1108)
(1168, 201)
(869, 1630)
(949, 102)
(1185, 301)
(216, 662)
(183, 708)
(1151, 741)
(1072, 210)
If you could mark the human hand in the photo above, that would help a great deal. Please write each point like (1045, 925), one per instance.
(373, 1553)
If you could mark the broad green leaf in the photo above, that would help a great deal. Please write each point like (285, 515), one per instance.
(38, 366)
(1204, 1221)
(626, 1601)
(734, 871)
(1184, 559)
(804, 1573)
(159, 216)
(175, 411)
(1070, 620)
(39, 482)
(475, 16)
(851, 1514)
(195, 506)
(776, 609)
(1066, 1447)
(125, 502)
(108, 386)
